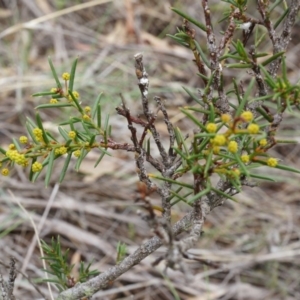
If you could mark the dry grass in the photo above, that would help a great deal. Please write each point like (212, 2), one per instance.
(250, 249)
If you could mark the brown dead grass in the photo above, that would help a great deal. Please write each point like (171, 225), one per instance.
(250, 249)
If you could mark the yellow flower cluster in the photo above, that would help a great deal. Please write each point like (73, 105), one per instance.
(245, 158)
(211, 127)
(53, 101)
(36, 167)
(38, 133)
(253, 128)
(85, 117)
(247, 116)
(72, 134)
(23, 139)
(219, 140)
(77, 153)
(233, 147)
(17, 157)
(5, 172)
(61, 150)
(272, 162)
(263, 142)
(87, 109)
(225, 118)
(216, 150)
(75, 94)
(65, 76)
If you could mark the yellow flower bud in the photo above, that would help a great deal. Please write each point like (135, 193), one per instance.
(219, 140)
(72, 134)
(23, 139)
(245, 158)
(247, 116)
(36, 167)
(5, 172)
(216, 150)
(77, 153)
(65, 76)
(225, 118)
(263, 142)
(85, 117)
(53, 101)
(272, 162)
(211, 127)
(233, 147)
(253, 128)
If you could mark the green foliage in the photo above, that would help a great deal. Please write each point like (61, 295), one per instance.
(60, 269)
(44, 149)
(121, 252)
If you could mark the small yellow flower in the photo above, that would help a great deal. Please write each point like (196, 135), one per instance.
(211, 127)
(245, 158)
(247, 116)
(263, 142)
(21, 160)
(77, 153)
(53, 90)
(233, 147)
(219, 140)
(65, 76)
(61, 150)
(38, 133)
(216, 150)
(225, 118)
(11, 147)
(72, 134)
(5, 172)
(53, 101)
(75, 94)
(36, 167)
(87, 109)
(23, 139)
(85, 117)
(272, 162)
(253, 128)
(236, 172)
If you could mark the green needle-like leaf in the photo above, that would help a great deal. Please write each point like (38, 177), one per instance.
(65, 167)
(272, 58)
(83, 154)
(95, 106)
(80, 109)
(202, 55)
(54, 73)
(245, 98)
(199, 195)
(262, 177)
(189, 186)
(54, 105)
(50, 167)
(194, 119)
(44, 94)
(40, 125)
(276, 24)
(190, 19)
(72, 75)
